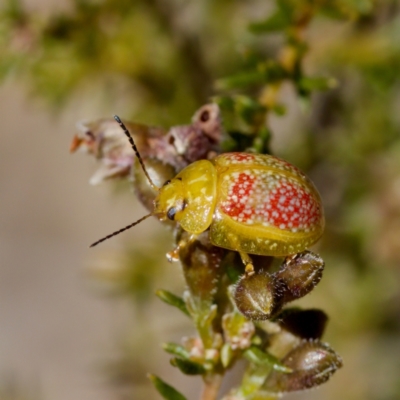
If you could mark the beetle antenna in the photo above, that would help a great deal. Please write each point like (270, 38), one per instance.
(121, 230)
(135, 149)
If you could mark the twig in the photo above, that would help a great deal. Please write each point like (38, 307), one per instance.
(211, 387)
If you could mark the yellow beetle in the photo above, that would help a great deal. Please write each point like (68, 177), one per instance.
(251, 203)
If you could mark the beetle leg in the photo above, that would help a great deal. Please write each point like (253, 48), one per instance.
(248, 262)
(173, 255)
(291, 257)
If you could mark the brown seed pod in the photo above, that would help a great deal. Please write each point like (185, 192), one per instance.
(312, 362)
(299, 274)
(257, 296)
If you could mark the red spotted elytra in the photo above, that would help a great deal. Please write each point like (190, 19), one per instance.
(251, 203)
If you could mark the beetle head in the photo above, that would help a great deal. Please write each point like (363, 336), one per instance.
(190, 197)
(170, 202)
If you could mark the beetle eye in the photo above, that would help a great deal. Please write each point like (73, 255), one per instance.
(171, 213)
(167, 182)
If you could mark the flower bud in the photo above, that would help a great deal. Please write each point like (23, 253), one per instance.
(238, 330)
(299, 274)
(312, 362)
(257, 296)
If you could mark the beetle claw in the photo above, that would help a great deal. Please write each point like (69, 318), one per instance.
(173, 255)
(248, 262)
(249, 269)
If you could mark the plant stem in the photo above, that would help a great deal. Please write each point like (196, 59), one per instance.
(211, 387)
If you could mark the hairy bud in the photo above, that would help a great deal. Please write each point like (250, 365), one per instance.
(257, 296)
(312, 362)
(299, 274)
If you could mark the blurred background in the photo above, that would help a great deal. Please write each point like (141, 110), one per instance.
(85, 324)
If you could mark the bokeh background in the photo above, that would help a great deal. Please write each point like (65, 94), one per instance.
(84, 324)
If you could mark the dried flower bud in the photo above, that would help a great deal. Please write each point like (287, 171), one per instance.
(177, 148)
(187, 145)
(257, 296)
(199, 140)
(299, 274)
(208, 119)
(312, 362)
(105, 140)
(195, 348)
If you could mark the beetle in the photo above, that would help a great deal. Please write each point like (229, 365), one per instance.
(251, 203)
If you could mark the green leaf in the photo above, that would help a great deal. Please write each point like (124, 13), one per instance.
(279, 109)
(13, 11)
(265, 72)
(253, 379)
(364, 7)
(227, 355)
(309, 84)
(334, 12)
(259, 357)
(173, 300)
(209, 317)
(188, 367)
(350, 9)
(278, 21)
(166, 391)
(251, 111)
(204, 321)
(240, 80)
(262, 141)
(176, 350)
